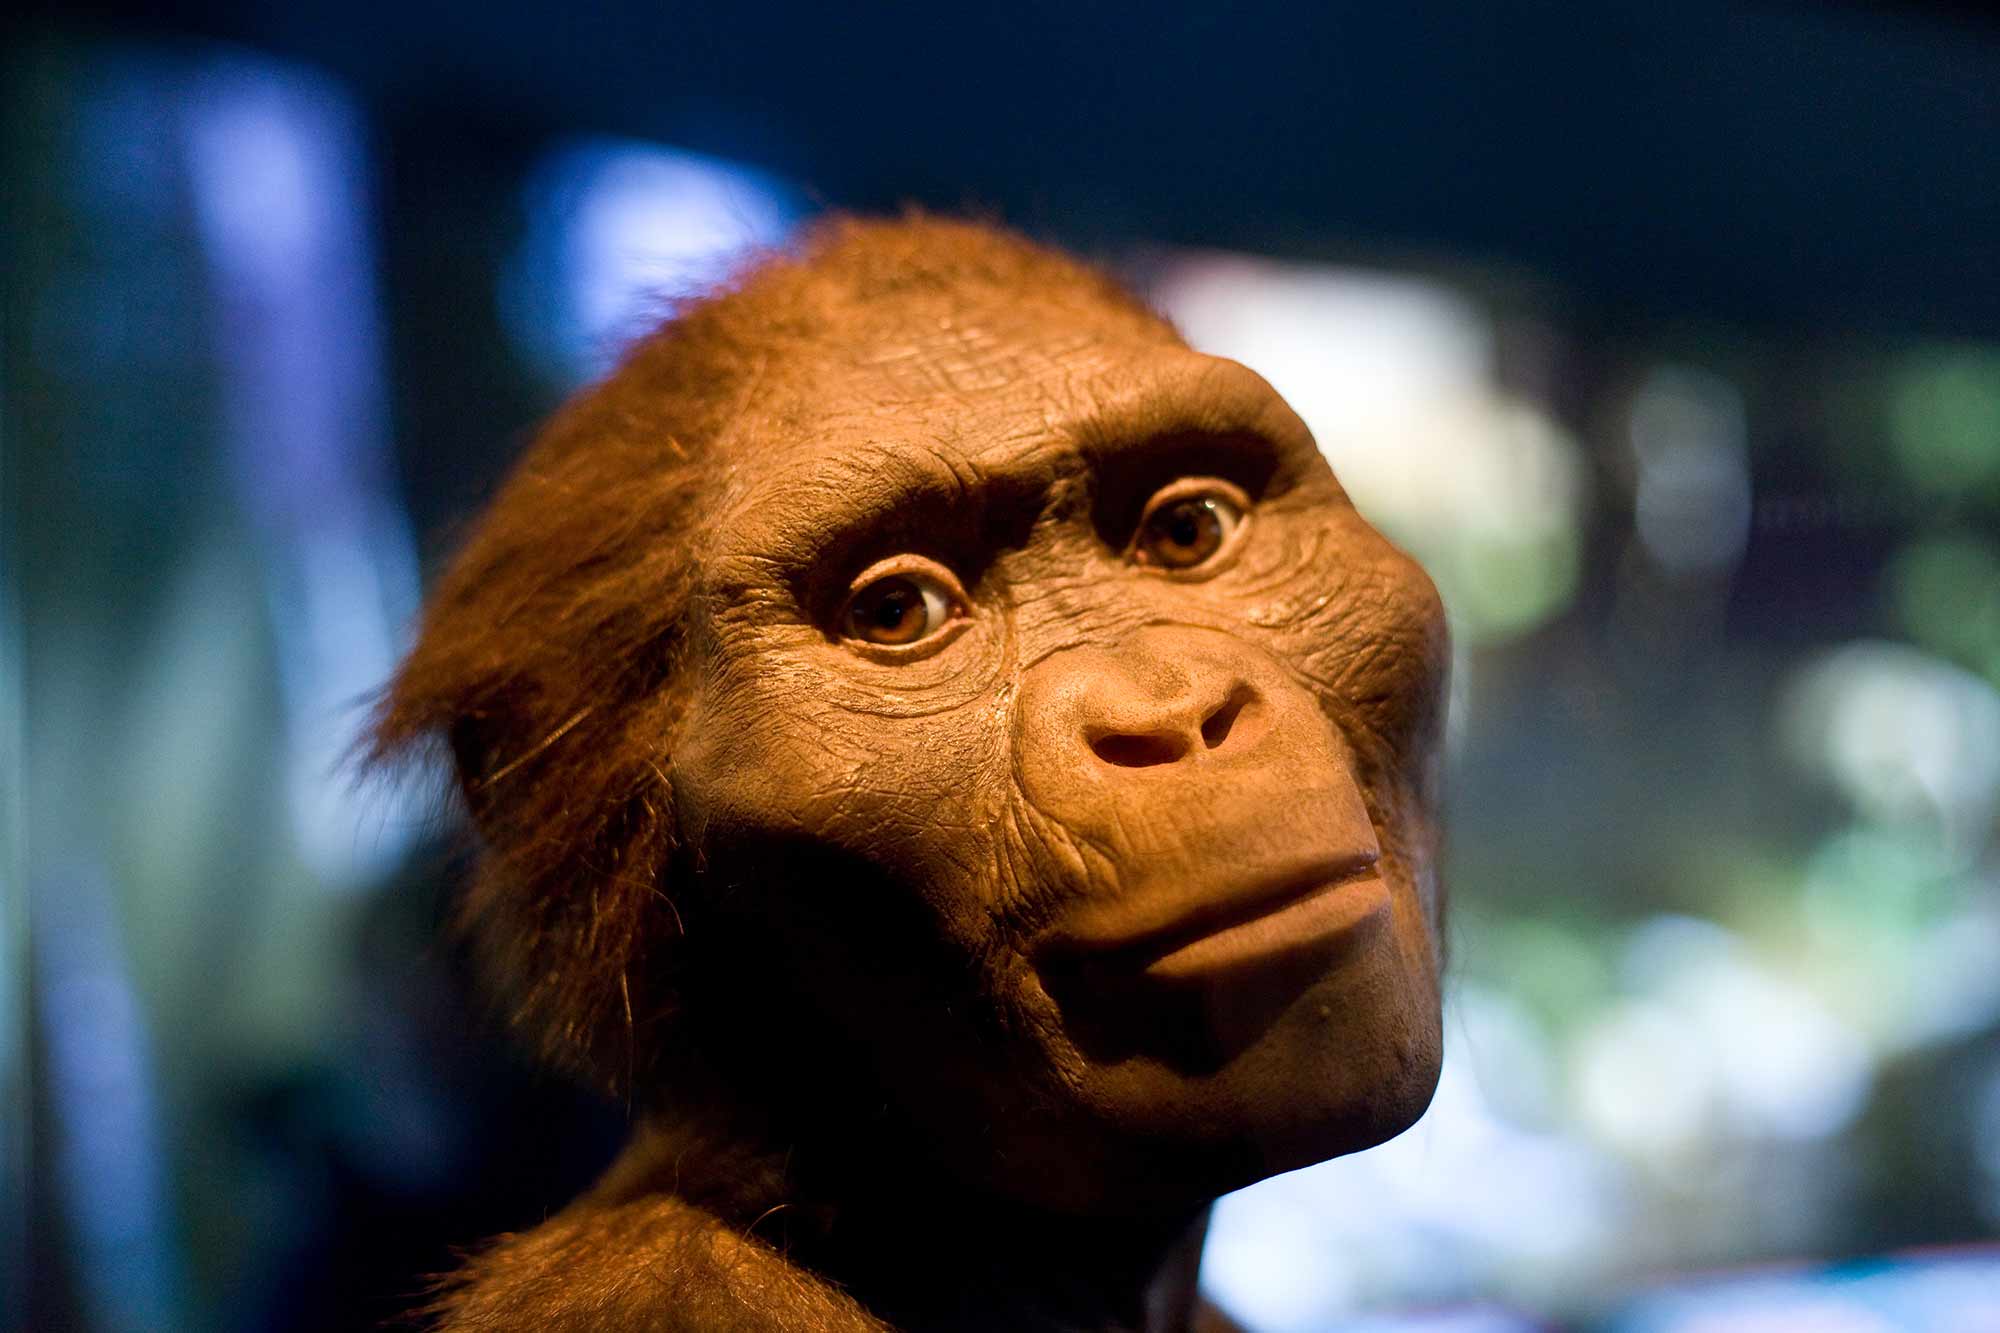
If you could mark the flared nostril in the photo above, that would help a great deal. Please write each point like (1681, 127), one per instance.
(1127, 750)
(1215, 728)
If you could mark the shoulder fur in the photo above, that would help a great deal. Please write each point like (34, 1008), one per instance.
(650, 1264)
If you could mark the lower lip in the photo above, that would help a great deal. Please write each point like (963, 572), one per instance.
(1326, 920)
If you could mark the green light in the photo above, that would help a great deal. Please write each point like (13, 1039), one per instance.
(1946, 593)
(1944, 419)
(1561, 972)
(1497, 590)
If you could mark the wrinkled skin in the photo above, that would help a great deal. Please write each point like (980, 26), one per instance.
(969, 937)
(954, 787)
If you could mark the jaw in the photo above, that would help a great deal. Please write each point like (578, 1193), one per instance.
(1263, 1076)
(928, 1046)
(1171, 1119)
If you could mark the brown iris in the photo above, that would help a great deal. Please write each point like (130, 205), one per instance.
(895, 610)
(1182, 533)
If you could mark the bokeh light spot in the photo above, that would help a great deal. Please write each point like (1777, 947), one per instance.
(1946, 592)
(618, 234)
(1909, 739)
(1944, 418)
(1394, 376)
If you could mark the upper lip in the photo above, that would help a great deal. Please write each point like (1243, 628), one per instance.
(1149, 932)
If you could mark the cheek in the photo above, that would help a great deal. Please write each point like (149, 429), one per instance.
(1381, 646)
(1363, 627)
(848, 792)
(864, 868)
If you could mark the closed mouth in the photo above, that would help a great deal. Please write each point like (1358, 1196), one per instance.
(1314, 922)
(1329, 898)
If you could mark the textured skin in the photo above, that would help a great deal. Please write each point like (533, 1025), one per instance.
(821, 907)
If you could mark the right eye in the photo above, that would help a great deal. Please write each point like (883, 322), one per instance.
(901, 608)
(1188, 523)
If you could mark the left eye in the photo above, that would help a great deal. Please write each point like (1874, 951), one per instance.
(899, 609)
(1186, 524)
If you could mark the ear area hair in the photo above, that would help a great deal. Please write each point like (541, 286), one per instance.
(472, 741)
(549, 662)
(545, 667)
(569, 909)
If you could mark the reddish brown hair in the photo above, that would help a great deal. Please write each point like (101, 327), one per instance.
(546, 658)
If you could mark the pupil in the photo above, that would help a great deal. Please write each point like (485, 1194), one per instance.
(894, 610)
(894, 607)
(1185, 533)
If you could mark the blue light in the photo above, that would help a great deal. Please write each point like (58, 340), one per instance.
(1946, 1292)
(105, 1145)
(276, 165)
(618, 234)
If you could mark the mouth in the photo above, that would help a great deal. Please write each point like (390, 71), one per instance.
(1321, 908)
(1331, 914)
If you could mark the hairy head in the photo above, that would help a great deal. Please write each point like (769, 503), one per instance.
(914, 666)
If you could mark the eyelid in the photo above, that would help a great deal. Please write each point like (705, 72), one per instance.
(1183, 488)
(907, 564)
(910, 566)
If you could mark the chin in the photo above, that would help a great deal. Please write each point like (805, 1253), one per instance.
(1351, 1066)
(1345, 1063)
(1374, 1095)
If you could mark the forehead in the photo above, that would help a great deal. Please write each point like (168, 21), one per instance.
(972, 378)
(954, 397)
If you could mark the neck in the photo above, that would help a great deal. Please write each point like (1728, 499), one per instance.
(917, 1248)
(930, 1255)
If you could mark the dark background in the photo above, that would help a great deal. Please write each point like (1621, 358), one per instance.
(257, 1093)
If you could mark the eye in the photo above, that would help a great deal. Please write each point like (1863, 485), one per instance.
(1188, 522)
(900, 608)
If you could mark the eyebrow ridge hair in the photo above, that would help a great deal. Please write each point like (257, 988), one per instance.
(808, 519)
(809, 525)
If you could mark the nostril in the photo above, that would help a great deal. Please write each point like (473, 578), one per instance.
(1216, 726)
(1125, 750)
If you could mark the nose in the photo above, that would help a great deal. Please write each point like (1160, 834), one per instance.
(1166, 696)
(1143, 733)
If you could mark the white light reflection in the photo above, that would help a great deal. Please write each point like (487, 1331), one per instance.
(1757, 1055)
(1957, 966)
(1471, 1320)
(618, 231)
(1910, 739)
(1692, 491)
(1905, 940)
(1942, 1292)
(1644, 1082)
(1394, 376)
(1467, 1201)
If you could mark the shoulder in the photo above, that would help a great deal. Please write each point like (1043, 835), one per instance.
(650, 1264)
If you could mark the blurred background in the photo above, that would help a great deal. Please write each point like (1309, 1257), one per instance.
(1668, 336)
